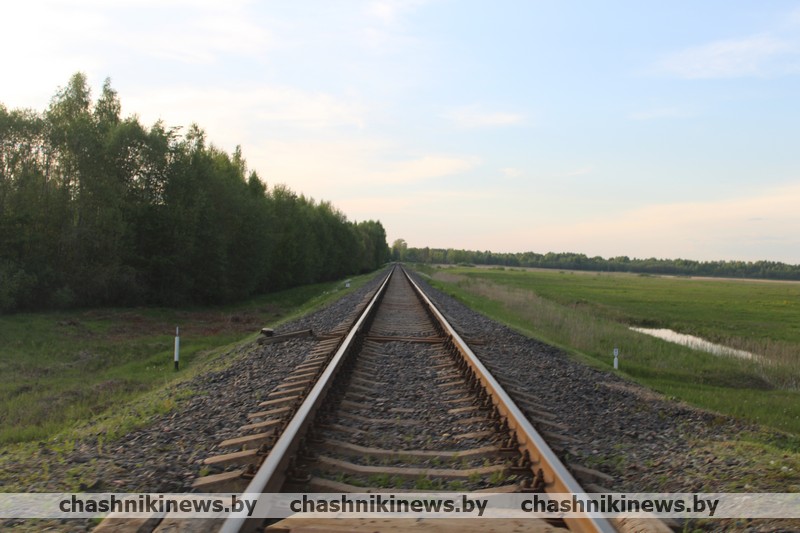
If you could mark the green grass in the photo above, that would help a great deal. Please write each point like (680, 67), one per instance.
(589, 314)
(714, 309)
(60, 370)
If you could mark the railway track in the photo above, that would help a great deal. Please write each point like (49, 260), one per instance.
(394, 400)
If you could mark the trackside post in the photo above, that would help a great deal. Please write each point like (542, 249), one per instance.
(177, 347)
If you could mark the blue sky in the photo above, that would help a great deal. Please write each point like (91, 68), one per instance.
(666, 129)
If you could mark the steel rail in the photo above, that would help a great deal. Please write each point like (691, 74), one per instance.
(272, 472)
(558, 478)
(271, 475)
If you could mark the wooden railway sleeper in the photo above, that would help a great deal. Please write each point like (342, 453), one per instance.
(478, 386)
(523, 464)
(473, 383)
(501, 427)
(539, 484)
(485, 399)
(495, 411)
(457, 362)
(461, 363)
(461, 368)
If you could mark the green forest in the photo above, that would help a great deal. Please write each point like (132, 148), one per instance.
(99, 210)
(576, 261)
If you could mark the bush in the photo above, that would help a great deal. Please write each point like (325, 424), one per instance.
(15, 286)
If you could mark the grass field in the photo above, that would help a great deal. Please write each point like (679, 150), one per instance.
(589, 314)
(58, 370)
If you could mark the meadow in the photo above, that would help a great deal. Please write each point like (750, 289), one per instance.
(588, 314)
(60, 370)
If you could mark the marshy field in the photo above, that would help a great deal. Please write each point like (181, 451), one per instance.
(589, 314)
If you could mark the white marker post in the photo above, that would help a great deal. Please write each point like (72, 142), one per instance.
(616, 359)
(177, 347)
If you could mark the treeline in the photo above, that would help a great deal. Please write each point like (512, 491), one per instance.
(573, 261)
(96, 209)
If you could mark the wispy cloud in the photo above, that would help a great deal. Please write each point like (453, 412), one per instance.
(757, 55)
(476, 117)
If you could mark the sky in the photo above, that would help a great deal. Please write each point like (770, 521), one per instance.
(646, 129)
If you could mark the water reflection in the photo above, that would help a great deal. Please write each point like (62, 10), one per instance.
(694, 342)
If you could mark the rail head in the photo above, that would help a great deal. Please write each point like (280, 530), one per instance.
(556, 474)
(271, 474)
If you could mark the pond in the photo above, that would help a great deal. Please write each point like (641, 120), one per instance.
(696, 343)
